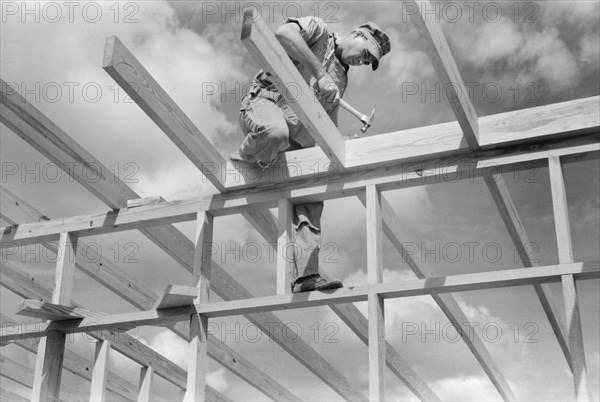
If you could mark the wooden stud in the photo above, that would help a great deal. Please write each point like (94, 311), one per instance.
(377, 344)
(565, 256)
(100, 371)
(51, 349)
(285, 261)
(198, 356)
(145, 387)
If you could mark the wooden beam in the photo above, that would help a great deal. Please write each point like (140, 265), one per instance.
(419, 287)
(129, 73)
(134, 292)
(446, 69)
(139, 84)
(285, 262)
(270, 55)
(7, 395)
(49, 311)
(145, 387)
(565, 256)
(144, 201)
(375, 302)
(198, 358)
(47, 138)
(518, 235)
(549, 122)
(51, 349)
(100, 371)
(402, 176)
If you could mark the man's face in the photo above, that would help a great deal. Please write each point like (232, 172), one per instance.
(354, 50)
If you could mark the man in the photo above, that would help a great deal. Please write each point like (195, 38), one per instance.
(270, 126)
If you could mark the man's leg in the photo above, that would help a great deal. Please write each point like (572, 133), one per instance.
(266, 132)
(307, 243)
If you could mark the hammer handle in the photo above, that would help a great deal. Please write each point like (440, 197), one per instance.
(352, 110)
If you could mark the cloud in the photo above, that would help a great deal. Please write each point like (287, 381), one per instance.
(491, 42)
(406, 64)
(550, 58)
(176, 349)
(466, 388)
(588, 50)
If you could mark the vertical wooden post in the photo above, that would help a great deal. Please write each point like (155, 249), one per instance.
(284, 240)
(99, 372)
(51, 349)
(375, 302)
(565, 255)
(146, 375)
(198, 363)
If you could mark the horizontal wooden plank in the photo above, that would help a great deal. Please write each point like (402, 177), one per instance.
(50, 311)
(139, 84)
(440, 170)
(537, 124)
(419, 287)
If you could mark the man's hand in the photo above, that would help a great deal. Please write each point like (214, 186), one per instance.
(328, 90)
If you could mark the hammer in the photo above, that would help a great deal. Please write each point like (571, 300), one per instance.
(366, 120)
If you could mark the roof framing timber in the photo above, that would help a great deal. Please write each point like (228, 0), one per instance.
(464, 111)
(139, 84)
(542, 123)
(435, 171)
(419, 287)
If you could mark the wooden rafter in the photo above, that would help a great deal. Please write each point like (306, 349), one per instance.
(574, 329)
(139, 84)
(464, 111)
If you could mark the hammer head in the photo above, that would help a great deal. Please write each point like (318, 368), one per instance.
(367, 121)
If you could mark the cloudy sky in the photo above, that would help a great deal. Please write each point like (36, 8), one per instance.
(513, 55)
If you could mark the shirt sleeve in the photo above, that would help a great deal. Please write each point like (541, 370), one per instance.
(311, 28)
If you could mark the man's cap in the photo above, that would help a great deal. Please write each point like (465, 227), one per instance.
(378, 43)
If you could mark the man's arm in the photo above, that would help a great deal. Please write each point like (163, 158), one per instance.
(293, 43)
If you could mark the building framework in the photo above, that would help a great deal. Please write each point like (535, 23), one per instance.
(486, 147)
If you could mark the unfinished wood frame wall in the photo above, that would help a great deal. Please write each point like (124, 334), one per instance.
(572, 138)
